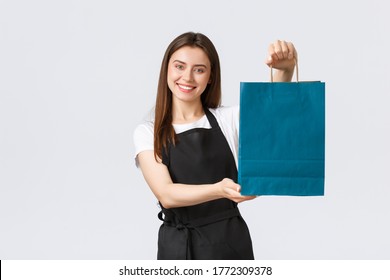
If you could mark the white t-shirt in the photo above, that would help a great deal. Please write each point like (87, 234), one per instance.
(227, 118)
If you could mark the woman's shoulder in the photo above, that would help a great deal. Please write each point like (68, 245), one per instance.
(146, 126)
(143, 137)
(226, 109)
(226, 112)
(228, 118)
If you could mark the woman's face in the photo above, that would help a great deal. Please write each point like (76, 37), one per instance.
(188, 74)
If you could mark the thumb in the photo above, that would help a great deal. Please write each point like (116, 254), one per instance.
(269, 61)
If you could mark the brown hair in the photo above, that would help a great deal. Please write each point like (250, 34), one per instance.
(164, 132)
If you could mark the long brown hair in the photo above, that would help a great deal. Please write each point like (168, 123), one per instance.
(164, 132)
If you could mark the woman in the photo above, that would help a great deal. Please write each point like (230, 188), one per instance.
(188, 155)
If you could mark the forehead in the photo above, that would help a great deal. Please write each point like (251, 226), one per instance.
(190, 55)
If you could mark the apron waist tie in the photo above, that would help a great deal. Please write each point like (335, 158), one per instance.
(199, 222)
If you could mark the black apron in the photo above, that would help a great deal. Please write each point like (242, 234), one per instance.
(210, 230)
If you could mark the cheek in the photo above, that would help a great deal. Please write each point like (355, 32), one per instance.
(206, 80)
(170, 79)
(172, 74)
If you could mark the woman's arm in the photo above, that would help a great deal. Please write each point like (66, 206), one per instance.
(172, 195)
(282, 56)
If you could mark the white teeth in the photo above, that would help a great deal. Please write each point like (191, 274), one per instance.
(185, 87)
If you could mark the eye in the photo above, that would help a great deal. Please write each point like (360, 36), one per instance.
(179, 66)
(199, 70)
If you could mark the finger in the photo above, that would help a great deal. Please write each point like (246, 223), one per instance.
(232, 193)
(231, 184)
(278, 50)
(284, 49)
(269, 61)
(245, 198)
(272, 53)
(291, 50)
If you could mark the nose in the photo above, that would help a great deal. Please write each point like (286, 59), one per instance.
(188, 75)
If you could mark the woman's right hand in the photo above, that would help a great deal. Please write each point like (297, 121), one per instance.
(173, 195)
(231, 190)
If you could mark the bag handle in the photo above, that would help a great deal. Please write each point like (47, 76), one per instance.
(296, 70)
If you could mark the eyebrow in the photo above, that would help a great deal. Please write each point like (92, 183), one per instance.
(196, 65)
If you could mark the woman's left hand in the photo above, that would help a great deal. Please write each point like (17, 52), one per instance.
(282, 56)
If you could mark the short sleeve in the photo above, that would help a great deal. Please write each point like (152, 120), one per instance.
(229, 119)
(143, 139)
(232, 116)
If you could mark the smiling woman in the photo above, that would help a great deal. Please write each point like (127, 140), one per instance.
(188, 154)
(188, 77)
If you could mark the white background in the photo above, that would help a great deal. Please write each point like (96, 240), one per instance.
(77, 76)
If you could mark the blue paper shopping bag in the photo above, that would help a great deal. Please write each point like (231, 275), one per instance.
(282, 138)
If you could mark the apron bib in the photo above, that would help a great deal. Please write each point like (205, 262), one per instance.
(213, 229)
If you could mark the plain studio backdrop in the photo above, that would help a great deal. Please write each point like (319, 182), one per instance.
(76, 77)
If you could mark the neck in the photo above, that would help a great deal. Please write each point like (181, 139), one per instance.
(187, 112)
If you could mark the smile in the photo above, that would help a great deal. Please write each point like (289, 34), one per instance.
(185, 87)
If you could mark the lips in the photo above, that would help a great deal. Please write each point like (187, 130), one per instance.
(186, 87)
